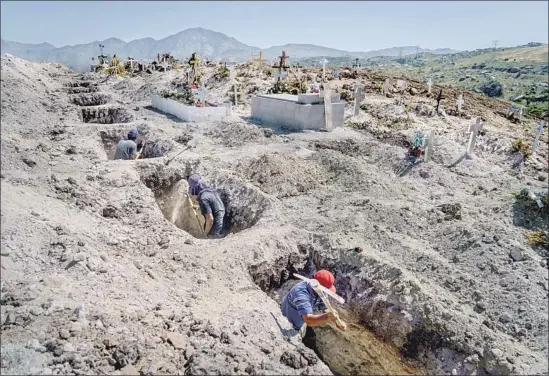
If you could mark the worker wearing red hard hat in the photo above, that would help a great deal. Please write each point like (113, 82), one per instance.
(299, 305)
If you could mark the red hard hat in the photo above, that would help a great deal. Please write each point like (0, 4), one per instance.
(326, 279)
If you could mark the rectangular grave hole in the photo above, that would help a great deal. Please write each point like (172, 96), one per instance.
(243, 206)
(152, 148)
(90, 99)
(106, 115)
(80, 90)
(356, 351)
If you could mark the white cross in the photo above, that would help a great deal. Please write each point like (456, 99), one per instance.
(386, 86)
(429, 85)
(459, 103)
(401, 84)
(359, 96)
(539, 131)
(474, 129)
(202, 94)
(324, 70)
(428, 144)
(328, 107)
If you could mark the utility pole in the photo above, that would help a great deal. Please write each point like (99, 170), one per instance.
(495, 43)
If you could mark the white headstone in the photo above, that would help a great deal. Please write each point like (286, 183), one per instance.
(539, 131)
(328, 107)
(459, 104)
(401, 84)
(324, 61)
(428, 145)
(386, 86)
(429, 85)
(359, 96)
(474, 129)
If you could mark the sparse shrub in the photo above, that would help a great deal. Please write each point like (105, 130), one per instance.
(538, 238)
(492, 89)
(519, 145)
(221, 73)
(537, 109)
(184, 96)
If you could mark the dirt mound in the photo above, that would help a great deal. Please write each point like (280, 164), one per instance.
(283, 176)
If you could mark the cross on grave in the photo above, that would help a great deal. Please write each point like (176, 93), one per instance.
(401, 84)
(233, 81)
(459, 103)
(260, 60)
(511, 110)
(328, 107)
(429, 85)
(386, 87)
(356, 65)
(539, 131)
(164, 65)
(359, 97)
(428, 145)
(202, 95)
(315, 88)
(474, 129)
(324, 61)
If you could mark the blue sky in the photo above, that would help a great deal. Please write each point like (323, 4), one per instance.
(352, 26)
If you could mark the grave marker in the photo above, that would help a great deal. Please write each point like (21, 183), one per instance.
(428, 145)
(429, 85)
(328, 106)
(401, 84)
(359, 96)
(474, 129)
(459, 104)
(386, 87)
(539, 131)
(202, 95)
(233, 81)
(324, 61)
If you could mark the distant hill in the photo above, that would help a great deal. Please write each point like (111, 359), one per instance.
(207, 43)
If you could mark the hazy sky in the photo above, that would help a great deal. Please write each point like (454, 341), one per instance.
(351, 26)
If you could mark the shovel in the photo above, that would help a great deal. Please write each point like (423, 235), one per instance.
(190, 145)
(324, 293)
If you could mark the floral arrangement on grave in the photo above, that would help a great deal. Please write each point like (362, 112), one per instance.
(521, 146)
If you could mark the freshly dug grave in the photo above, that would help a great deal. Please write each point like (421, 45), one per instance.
(243, 206)
(106, 115)
(355, 351)
(152, 148)
(95, 99)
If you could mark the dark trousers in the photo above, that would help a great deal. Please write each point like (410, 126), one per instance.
(309, 339)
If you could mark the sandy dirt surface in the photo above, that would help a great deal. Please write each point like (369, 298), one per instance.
(97, 280)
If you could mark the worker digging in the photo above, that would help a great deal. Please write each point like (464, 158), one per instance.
(299, 305)
(129, 149)
(211, 206)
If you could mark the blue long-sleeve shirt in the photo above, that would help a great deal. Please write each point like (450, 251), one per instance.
(301, 300)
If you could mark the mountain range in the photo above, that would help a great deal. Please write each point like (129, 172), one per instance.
(206, 43)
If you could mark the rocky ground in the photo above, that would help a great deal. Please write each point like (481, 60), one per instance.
(95, 279)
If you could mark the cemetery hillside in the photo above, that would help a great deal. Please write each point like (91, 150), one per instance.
(418, 178)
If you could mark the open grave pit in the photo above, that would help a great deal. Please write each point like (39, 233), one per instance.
(244, 205)
(355, 351)
(80, 90)
(386, 333)
(90, 99)
(105, 115)
(154, 146)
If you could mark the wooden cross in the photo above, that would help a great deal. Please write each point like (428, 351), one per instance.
(260, 60)
(359, 96)
(459, 104)
(474, 129)
(539, 131)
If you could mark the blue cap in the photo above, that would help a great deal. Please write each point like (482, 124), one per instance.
(133, 133)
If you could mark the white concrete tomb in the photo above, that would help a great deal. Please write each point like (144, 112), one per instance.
(297, 112)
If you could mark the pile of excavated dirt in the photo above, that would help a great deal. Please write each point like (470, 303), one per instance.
(100, 277)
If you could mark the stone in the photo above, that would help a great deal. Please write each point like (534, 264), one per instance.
(505, 318)
(516, 254)
(129, 370)
(64, 334)
(480, 307)
(29, 162)
(497, 353)
(177, 340)
(68, 347)
(293, 360)
(189, 241)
